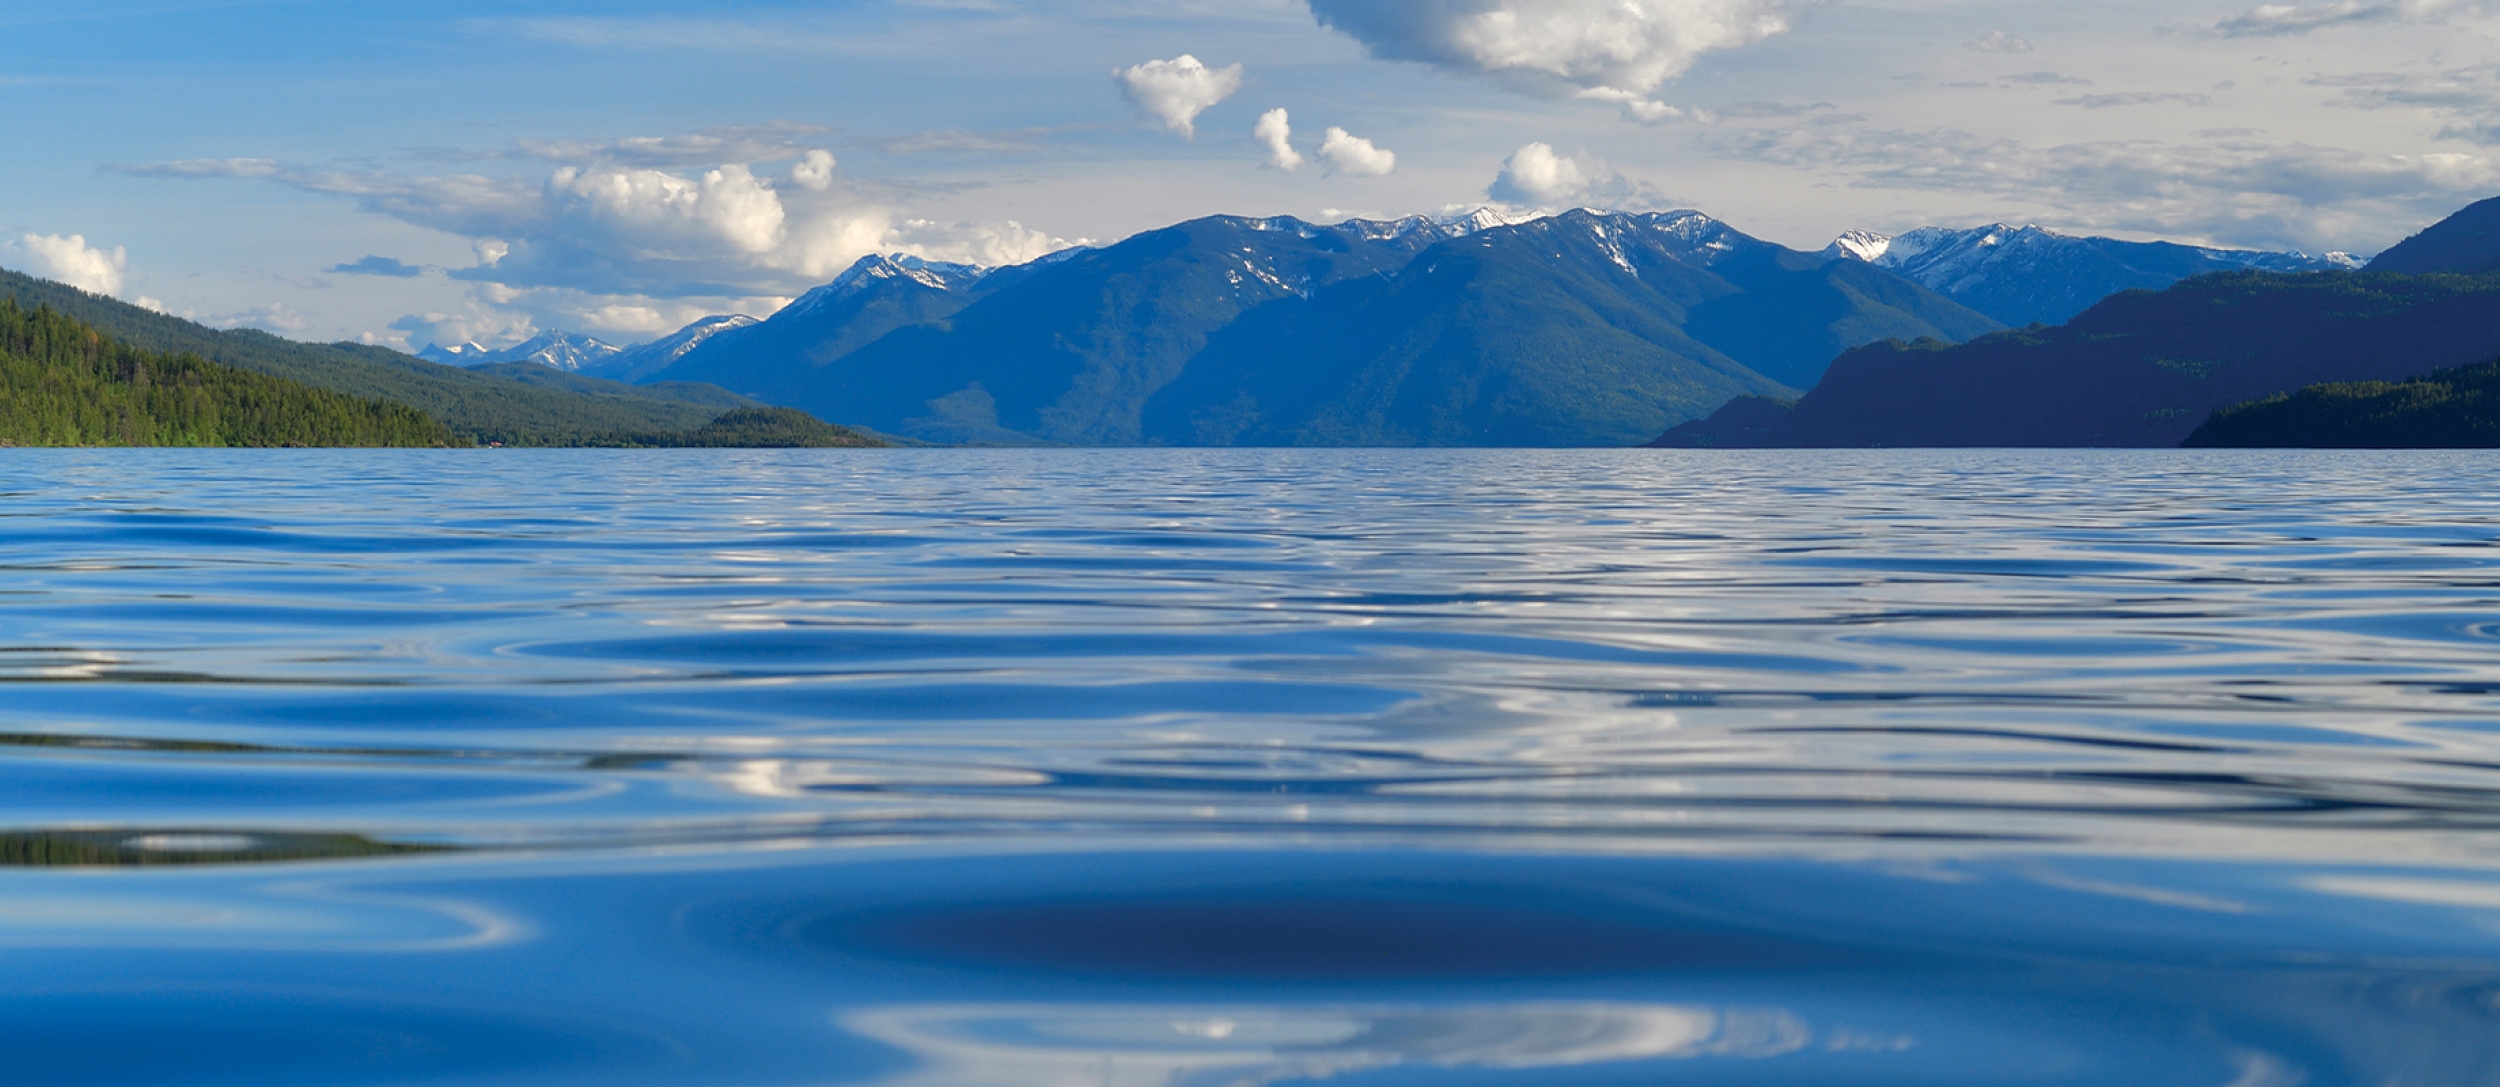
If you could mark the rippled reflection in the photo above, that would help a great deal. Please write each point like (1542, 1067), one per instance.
(1240, 766)
(2276, 653)
(1165, 1046)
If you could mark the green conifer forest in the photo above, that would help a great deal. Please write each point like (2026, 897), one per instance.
(63, 383)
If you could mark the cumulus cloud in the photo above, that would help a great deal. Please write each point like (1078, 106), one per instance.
(1623, 48)
(1176, 91)
(1534, 175)
(2270, 20)
(476, 323)
(274, 317)
(1537, 176)
(2236, 191)
(1276, 131)
(726, 211)
(1998, 41)
(991, 244)
(378, 266)
(814, 172)
(71, 260)
(610, 229)
(605, 245)
(1346, 153)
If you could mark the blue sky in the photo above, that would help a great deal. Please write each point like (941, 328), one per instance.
(622, 168)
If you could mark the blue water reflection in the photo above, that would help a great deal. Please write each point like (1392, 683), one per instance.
(920, 965)
(1245, 767)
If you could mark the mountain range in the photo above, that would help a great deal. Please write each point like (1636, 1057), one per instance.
(1585, 328)
(2146, 368)
(2025, 275)
(570, 352)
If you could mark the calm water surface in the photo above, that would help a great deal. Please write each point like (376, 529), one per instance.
(1216, 769)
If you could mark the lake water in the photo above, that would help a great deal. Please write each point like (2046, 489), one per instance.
(1215, 769)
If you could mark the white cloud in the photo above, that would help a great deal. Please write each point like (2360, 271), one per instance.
(1535, 176)
(274, 317)
(813, 173)
(1176, 91)
(2231, 190)
(613, 230)
(1345, 153)
(1998, 41)
(71, 260)
(475, 323)
(2268, 20)
(2469, 98)
(1648, 111)
(1276, 132)
(729, 211)
(1538, 177)
(1562, 47)
(2133, 98)
(991, 244)
(606, 246)
(727, 143)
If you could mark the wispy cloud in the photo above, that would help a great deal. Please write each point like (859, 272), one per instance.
(2468, 98)
(2135, 98)
(729, 143)
(2247, 192)
(378, 266)
(2049, 79)
(2273, 20)
(1998, 41)
(676, 33)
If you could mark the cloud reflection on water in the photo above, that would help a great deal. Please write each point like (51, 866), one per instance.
(1068, 1045)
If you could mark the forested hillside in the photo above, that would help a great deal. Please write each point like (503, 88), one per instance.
(2142, 368)
(64, 383)
(2445, 409)
(563, 409)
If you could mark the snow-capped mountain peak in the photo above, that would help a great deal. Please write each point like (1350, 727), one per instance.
(1862, 245)
(670, 348)
(872, 269)
(456, 355)
(642, 360)
(2022, 274)
(568, 351)
(558, 350)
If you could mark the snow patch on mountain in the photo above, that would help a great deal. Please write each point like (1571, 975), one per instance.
(556, 350)
(873, 269)
(2021, 274)
(642, 360)
(567, 351)
(464, 354)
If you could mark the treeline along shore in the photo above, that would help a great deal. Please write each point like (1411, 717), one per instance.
(78, 369)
